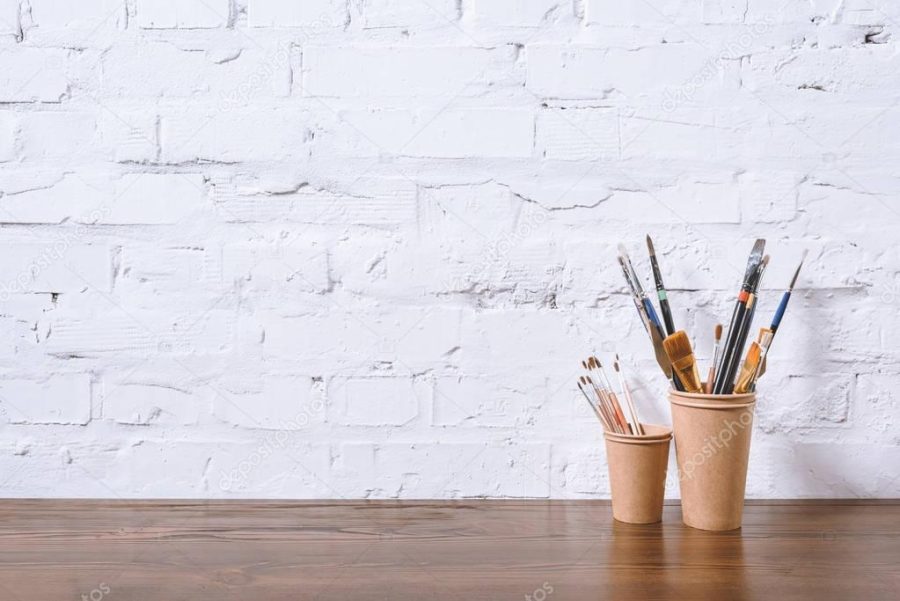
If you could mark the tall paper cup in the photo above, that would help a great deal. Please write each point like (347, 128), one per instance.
(712, 446)
(637, 473)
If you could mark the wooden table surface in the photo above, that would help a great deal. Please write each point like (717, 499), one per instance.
(490, 550)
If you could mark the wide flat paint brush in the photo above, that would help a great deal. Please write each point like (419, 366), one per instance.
(678, 347)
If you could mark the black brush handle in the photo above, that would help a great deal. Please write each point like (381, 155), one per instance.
(741, 343)
(728, 349)
(663, 296)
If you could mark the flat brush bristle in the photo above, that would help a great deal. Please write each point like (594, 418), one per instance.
(678, 345)
(718, 332)
(678, 348)
(753, 353)
(616, 365)
(622, 250)
(650, 246)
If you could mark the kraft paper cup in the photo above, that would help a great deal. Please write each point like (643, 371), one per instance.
(712, 447)
(637, 473)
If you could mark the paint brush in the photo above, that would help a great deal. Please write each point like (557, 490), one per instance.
(752, 302)
(715, 359)
(648, 315)
(728, 365)
(782, 306)
(638, 288)
(600, 417)
(602, 398)
(779, 314)
(635, 297)
(749, 369)
(678, 347)
(637, 429)
(614, 400)
(765, 341)
(661, 290)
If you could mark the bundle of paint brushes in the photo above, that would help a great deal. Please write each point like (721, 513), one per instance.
(599, 394)
(672, 347)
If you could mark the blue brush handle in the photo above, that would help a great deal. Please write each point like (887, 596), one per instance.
(779, 313)
(651, 313)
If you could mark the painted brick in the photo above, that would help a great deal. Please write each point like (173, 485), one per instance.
(188, 14)
(275, 403)
(60, 399)
(380, 14)
(90, 15)
(451, 133)
(313, 14)
(374, 72)
(32, 75)
(149, 403)
(9, 17)
(587, 72)
(377, 401)
(8, 128)
(244, 135)
(330, 249)
(518, 13)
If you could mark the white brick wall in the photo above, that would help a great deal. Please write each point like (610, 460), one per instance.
(271, 248)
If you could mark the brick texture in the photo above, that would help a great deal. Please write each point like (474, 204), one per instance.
(281, 248)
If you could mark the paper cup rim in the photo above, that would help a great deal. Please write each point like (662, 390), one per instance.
(658, 433)
(712, 401)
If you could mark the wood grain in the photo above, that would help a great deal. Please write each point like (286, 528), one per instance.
(480, 550)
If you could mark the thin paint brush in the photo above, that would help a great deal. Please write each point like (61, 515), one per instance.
(727, 366)
(648, 316)
(603, 399)
(661, 290)
(715, 359)
(638, 428)
(638, 288)
(614, 400)
(779, 314)
(603, 404)
(635, 297)
(748, 371)
(765, 342)
(593, 408)
(744, 329)
(782, 306)
(678, 347)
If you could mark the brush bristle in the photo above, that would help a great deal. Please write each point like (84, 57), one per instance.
(650, 246)
(622, 250)
(678, 345)
(753, 353)
(616, 365)
(718, 332)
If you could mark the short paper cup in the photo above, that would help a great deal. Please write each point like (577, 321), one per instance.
(637, 473)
